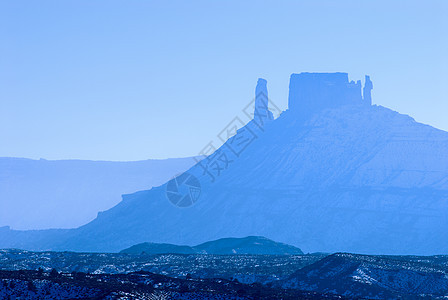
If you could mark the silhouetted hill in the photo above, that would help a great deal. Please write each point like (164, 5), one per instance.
(247, 245)
(154, 248)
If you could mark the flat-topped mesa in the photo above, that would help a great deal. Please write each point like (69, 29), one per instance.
(310, 93)
(261, 111)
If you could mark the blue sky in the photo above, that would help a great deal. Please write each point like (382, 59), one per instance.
(130, 80)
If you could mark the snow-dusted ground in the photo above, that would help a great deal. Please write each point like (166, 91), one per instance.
(374, 277)
(28, 284)
(350, 275)
(245, 268)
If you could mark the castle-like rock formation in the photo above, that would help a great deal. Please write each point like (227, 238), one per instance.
(310, 93)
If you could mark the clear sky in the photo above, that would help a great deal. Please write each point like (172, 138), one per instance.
(131, 80)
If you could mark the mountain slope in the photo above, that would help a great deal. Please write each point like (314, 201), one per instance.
(247, 245)
(349, 177)
(155, 248)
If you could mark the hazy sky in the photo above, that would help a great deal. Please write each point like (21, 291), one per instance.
(130, 80)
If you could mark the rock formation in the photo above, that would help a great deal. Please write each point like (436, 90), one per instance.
(262, 114)
(331, 174)
(310, 93)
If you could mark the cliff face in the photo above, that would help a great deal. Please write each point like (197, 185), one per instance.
(347, 177)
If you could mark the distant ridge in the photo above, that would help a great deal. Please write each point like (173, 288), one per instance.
(224, 246)
(39, 194)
